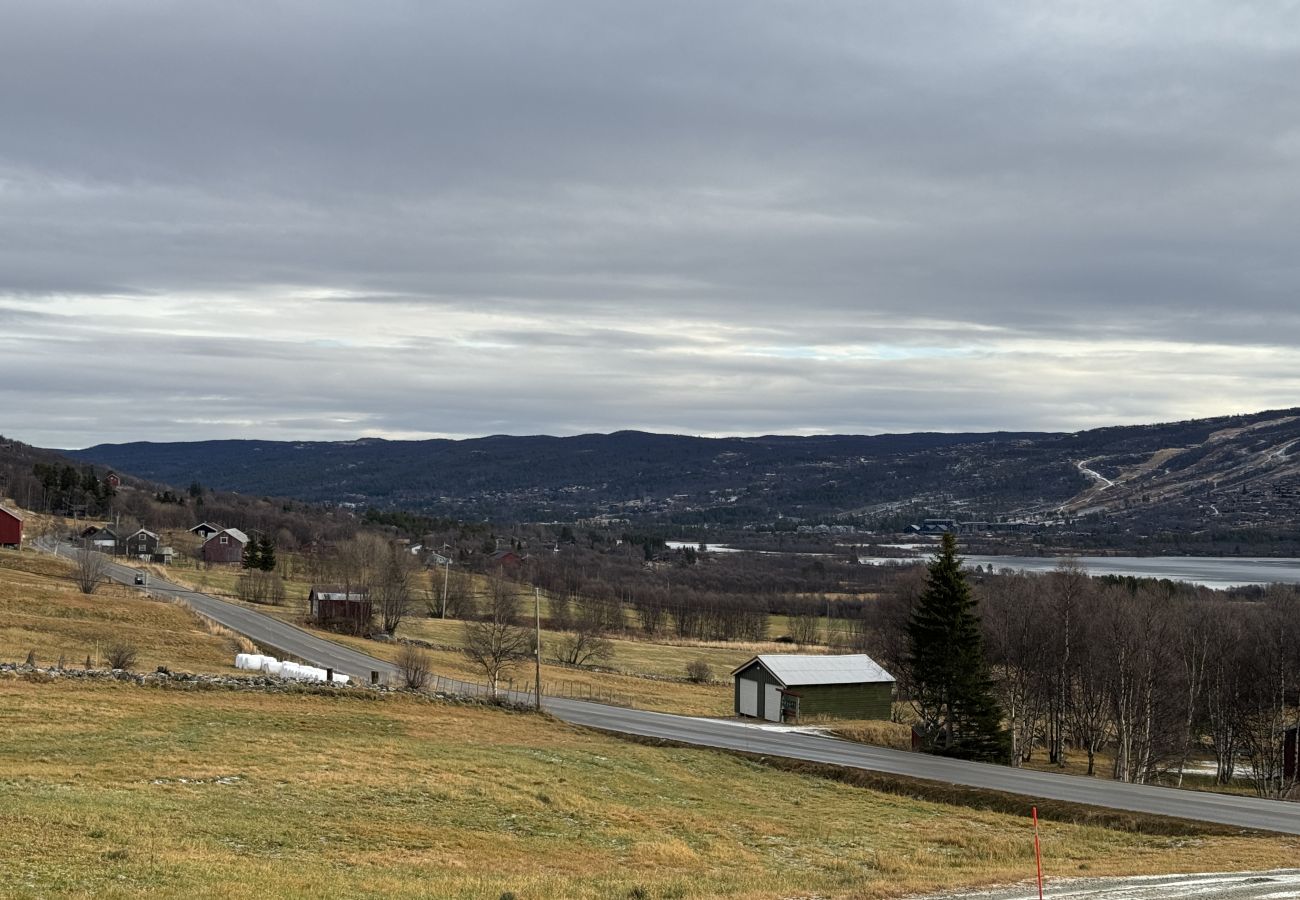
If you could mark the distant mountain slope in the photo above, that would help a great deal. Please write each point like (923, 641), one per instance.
(1238, 470)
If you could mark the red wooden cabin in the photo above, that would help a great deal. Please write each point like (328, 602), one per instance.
(11, 528)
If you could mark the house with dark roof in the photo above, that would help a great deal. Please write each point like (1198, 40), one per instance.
(104, 539)
(793, 687)
(143, 544)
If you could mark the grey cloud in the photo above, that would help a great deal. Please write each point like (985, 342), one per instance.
(766, 184)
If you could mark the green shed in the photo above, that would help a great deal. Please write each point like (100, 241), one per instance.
(789, 687)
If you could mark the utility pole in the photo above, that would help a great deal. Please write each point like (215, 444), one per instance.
(537, 610)
(446, 573)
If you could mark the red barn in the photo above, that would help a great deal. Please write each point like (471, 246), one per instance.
(11, 528)
(224, 547)
(336, 606)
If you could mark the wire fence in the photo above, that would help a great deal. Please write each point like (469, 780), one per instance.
(525, 692)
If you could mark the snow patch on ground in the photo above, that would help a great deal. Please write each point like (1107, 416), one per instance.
(762, 725)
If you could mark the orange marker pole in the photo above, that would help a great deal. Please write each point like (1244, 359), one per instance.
(1038, 855)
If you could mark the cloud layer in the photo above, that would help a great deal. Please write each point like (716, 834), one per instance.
(319, 220)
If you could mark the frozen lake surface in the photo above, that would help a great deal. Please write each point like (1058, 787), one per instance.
(1211, 571)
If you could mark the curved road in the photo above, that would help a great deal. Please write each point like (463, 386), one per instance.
(1224, 809)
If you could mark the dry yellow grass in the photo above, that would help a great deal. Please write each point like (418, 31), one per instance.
(633, 658)
(42, 610)
(120, 791)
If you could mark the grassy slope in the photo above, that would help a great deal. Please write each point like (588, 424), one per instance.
(630, 656)
(41, 609)
(397, 797)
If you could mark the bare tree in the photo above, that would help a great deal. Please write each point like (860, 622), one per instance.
(1089, 713)
(497, 643)
(804, 628)
(585, 647)
(261, 587)
(1265, 712)
(461, 602)
(1226, 679)
(415, 667)
(1068, 588)
(391, 591)
(1144, 696)
(1012, 610)
(650, 604)
(91, 570)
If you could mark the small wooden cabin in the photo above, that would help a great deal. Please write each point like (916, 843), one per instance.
(11, 528)
(790, 687)
(337, 606)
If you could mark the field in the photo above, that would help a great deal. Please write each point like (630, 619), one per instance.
(665, 662)
(43, 612)
(116, 790)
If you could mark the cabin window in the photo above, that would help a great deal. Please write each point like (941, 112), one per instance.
(225, 540)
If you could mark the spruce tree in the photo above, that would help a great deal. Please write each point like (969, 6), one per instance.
(266, 555)
(252, 555)
(950, 676)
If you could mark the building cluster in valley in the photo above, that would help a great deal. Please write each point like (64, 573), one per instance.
(218, 545)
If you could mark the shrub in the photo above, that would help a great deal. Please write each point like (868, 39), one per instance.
(121, 655)
(414, 666)
(699, 671)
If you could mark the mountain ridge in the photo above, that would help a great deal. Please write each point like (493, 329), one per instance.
(1237, 470)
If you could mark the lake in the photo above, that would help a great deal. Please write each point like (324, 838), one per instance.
(1211, 571)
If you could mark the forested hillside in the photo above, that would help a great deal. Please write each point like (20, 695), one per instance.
(1236, 472)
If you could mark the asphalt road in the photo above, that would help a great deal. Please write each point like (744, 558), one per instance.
(1274, 885)
(1245, 812)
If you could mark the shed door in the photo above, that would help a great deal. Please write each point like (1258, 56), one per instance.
(748, 697)
(771, 703)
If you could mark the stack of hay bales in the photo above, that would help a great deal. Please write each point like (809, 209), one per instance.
(295, 671)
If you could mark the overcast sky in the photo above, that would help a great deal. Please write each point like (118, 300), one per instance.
(321, 220)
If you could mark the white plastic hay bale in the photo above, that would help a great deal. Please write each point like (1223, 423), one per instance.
(340, 678)
(271, 665)
(290, 670)
(315, 674)
(245, 661)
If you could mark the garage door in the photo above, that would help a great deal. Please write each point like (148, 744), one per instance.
(748, 697)
(772, 703)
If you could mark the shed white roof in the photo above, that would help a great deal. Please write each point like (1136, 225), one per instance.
(794, 669)
(11, 512)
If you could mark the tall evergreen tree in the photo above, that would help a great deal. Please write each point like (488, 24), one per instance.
(252, 554)
(266, 554)
(950, 676)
